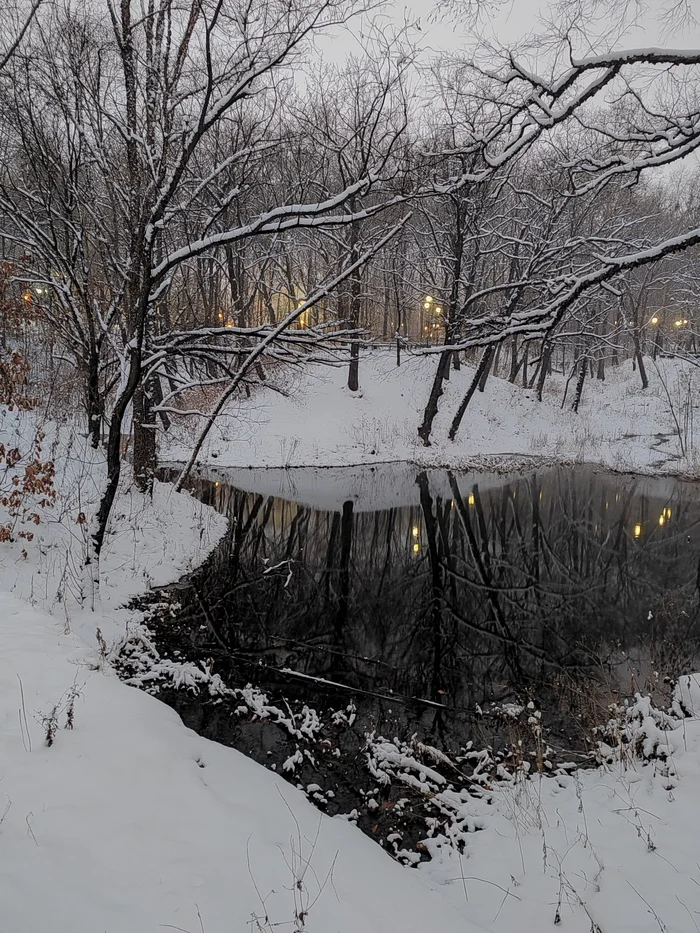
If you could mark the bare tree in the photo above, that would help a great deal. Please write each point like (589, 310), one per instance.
(162, 86)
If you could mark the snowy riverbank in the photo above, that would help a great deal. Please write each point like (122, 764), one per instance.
(319, 423)
(115, 817)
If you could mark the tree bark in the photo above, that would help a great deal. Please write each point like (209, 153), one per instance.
(583, 366)
(94, 401)
(640, 361)
(144, 430)
(545, 367)
(478, 382)
(436, 391)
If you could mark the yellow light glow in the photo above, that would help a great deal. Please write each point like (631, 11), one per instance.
(662, 518)
(667, 513)
(471, 499)
(637, 531)
(221, 315)
(679, 323)
(416, 531)
(426, 305)
(27, 296)
(216, 484)
(416, 548)
(655, 320)
(438, 309)
(428, 299)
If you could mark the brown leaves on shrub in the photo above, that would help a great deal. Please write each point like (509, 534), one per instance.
(26, 485)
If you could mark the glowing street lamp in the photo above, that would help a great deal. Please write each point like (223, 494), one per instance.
(654, 320)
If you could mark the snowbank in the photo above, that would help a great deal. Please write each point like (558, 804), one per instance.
(319, 423)
(149, 542)
(130, 822)
(115, 817)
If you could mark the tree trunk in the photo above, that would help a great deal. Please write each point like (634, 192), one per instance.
(479, 380)
(583, 366)
(640, 360)
(94, 401)
(355, 303)
(144, 430)
(436, 390)
(114, 456)
(497, 359)
(513, 359)
(545, 367)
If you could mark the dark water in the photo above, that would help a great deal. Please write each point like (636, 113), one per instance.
(425, 597)
(450, 588)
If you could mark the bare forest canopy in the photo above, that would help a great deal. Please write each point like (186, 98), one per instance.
(190, 198)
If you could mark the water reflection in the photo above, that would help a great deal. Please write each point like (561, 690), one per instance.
(455, 589)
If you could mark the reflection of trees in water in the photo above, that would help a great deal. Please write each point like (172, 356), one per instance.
(454, 599)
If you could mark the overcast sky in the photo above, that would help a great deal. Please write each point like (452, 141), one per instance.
(514, 20)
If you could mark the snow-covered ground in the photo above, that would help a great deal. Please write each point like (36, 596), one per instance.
(114, 817)
(130, 822)
(319, 423)
(610, 850)
(149, 542)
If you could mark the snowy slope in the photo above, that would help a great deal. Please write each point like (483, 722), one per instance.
(319, 423)
(613, 850)
(130, 822)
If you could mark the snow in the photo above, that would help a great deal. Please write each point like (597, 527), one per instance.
(149, 542)
(607, 849)
(319, 423)
(686, 698)
(127, 822)
(383, 486)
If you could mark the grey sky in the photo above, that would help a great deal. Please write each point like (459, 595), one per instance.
(512, 21)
